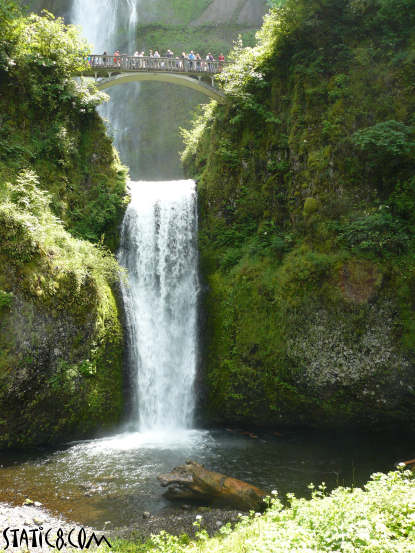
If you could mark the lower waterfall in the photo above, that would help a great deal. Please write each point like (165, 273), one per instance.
(159, 250)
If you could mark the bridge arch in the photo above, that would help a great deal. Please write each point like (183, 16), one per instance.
(172, 78)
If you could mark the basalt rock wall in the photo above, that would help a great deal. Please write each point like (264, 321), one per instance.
(306, 187)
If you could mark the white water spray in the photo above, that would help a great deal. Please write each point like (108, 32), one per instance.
(159, 250)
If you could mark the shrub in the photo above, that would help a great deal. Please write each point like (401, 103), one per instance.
(378, 233)
(6, 299)
(390, 139)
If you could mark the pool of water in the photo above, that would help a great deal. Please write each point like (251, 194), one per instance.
(115, 478)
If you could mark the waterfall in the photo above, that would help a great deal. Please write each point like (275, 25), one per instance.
(110, 25)
(103, 22)
(159, 250)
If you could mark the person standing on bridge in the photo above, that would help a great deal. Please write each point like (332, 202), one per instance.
(183, 64)
(157, 55)
(210, 59)
(170, 56)
(136, 61)
(221, 59)
(191, 60)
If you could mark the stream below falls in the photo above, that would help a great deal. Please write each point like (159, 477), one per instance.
(115, 478)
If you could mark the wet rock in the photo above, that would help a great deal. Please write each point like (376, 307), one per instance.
(193, 481)
(146, 514)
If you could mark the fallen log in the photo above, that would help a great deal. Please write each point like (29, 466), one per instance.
(192, 481)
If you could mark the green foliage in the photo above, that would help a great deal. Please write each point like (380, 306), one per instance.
(179, 11)
(61, 183)
(26, 196)
(306, 195)
(402, 202)
(29, 230)
(48, 43)
(9, 11)
(200, 38)
(63, 286)
(6, 299)
(389, 139)
(378, 232)
(49, 123)
(43, 54)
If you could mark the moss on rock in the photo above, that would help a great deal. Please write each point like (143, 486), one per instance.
(306, 190)
(62, 196)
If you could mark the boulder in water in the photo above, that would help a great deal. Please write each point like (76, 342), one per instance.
(192, 481)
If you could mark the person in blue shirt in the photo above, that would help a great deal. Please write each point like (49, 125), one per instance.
(191, 58)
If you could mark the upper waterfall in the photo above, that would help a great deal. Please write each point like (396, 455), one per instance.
(102, 19)
(110, 25)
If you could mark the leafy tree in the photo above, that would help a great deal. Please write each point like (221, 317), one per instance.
(46, 42)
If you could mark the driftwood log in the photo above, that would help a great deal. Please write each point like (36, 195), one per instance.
(192, 481)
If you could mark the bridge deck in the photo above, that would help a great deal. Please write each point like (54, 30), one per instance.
(111, 64)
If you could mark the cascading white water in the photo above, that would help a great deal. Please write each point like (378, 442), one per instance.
(159, 250)
(102, 19)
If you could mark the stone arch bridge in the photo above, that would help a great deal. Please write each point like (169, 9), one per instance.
(109, 70)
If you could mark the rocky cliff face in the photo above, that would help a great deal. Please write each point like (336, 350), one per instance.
(306, 191)
(242, 12)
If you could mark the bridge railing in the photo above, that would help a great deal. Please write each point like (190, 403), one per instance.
(147, 63)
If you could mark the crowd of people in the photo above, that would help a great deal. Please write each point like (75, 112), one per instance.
(153, 60)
